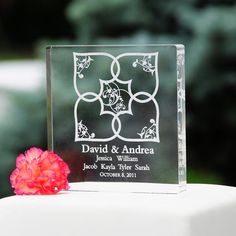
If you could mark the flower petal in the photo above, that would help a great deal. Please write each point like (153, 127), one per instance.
(33, 153)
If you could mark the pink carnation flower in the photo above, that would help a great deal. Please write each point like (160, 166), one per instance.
(39, 172)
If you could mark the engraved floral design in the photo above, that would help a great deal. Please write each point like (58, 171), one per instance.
(145, 63)
(81, 64)
(82, 131)
(149, 132)
(116, 95)
(112, 97)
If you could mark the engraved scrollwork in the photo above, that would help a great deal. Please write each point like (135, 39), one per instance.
(145, 62)
(116, 96)
(81, 64)
(112, 93)
(82, 131)
(149, 132)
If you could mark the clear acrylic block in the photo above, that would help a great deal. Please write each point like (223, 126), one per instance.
(116, 115)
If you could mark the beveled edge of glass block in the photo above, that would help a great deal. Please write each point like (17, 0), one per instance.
(49, 100)
(181, 115)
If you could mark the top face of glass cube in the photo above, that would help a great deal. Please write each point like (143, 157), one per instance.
(116, 113)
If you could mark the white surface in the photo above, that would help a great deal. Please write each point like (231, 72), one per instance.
(22, 75)
(203, 210)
